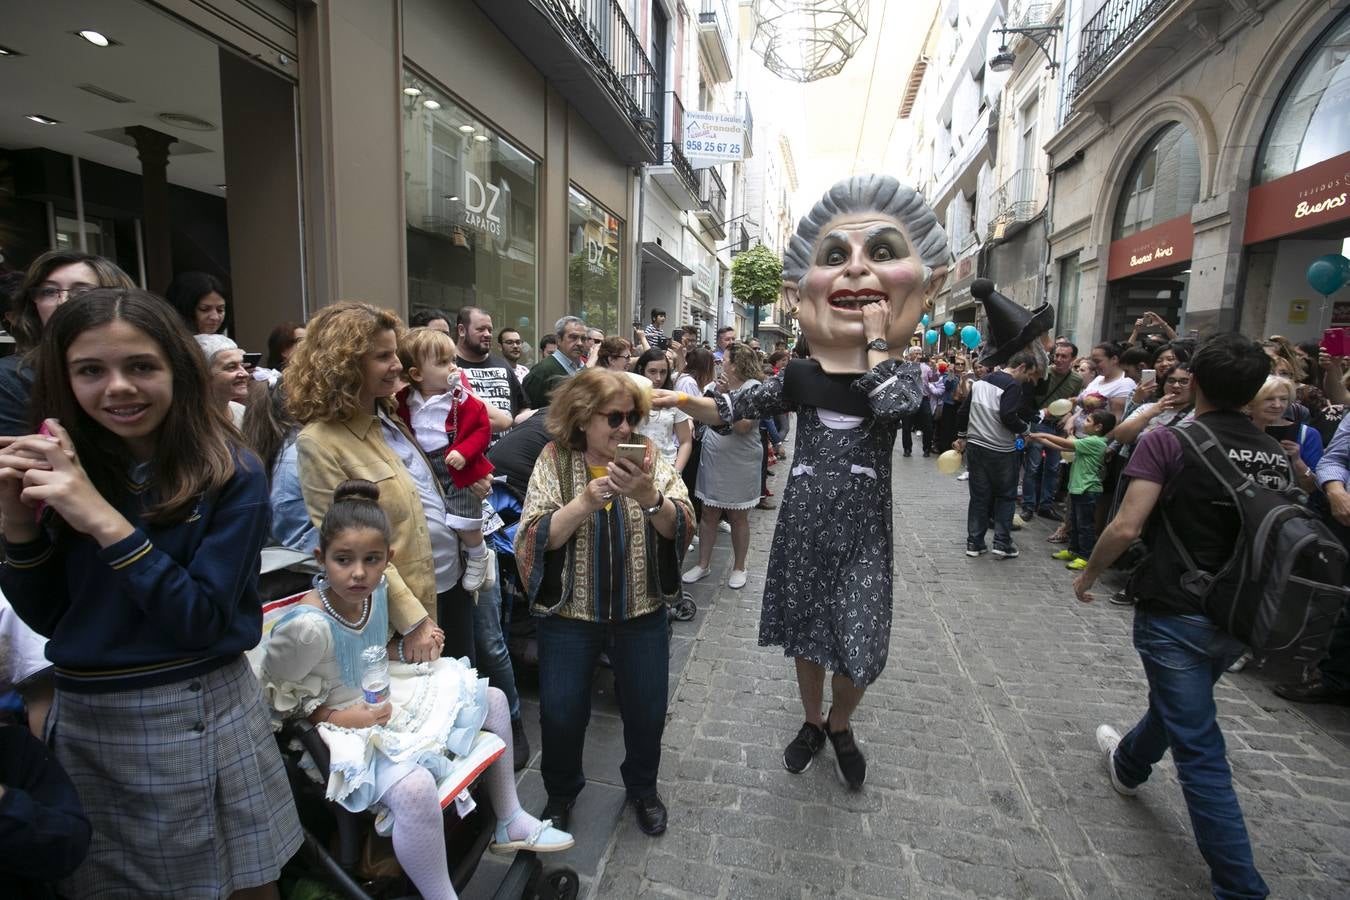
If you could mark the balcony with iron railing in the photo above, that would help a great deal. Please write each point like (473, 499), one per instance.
(674, 173)
(1106, 36)
(711, 212)
(588, 51)
(714, 37)
(1016, 197)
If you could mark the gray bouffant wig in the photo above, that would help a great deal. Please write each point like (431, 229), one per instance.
(864, 193)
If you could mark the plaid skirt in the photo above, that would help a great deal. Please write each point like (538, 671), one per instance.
(183, 784)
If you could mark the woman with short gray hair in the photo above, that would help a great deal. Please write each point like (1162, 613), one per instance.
(861, 269)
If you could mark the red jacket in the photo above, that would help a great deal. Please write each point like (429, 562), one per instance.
(470, 438)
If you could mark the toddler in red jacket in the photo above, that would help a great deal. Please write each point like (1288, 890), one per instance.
(451, 426)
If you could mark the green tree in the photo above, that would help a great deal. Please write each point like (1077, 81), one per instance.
(757, 278)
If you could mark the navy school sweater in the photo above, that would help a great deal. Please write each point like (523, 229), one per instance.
(161, 605)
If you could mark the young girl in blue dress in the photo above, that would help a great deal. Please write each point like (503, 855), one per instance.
(389, 756)
(132, 526)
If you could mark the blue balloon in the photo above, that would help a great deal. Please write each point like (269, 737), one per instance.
(1329, 273)
(930, 336)
(970, 336)
(949, 328)
(924, 320)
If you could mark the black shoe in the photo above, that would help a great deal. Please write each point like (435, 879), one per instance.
(1315, 690)
(520, 746)
(651, 814)
(927, 453)
(1006, 551)
(559, 811)
(1048, 513)
(908, 454)
(1120, 598)
(804, 747)
(849, 763)
(974, 549)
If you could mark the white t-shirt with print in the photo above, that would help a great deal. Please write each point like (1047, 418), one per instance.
(1123, 386)
(660, 427)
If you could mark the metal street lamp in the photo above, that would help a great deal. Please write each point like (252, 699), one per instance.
(1040, 35)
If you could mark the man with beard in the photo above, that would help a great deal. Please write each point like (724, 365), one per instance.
(492, 378)
(513, 348)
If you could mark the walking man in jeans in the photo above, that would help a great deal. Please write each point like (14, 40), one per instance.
(1183, 652)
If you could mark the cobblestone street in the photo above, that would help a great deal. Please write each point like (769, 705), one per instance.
(984, 777)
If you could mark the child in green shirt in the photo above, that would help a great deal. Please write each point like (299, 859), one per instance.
(1085, 483)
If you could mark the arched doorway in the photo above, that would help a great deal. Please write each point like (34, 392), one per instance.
(1151, 233)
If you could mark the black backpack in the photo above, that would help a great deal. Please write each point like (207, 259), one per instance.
(1284, 587)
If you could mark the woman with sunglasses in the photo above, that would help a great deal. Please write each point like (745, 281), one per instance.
(599, 547)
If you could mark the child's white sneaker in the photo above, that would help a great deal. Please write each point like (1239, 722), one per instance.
(475, 571)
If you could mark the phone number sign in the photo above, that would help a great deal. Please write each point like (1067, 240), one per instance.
(713, 137)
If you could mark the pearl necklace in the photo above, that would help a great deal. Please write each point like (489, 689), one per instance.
(360, 620)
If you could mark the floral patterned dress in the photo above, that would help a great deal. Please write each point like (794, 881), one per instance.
(828, 591)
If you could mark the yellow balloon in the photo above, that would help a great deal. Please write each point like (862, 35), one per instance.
(949, 462)
(1060, 407)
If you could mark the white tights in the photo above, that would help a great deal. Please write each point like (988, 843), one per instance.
(419, 829)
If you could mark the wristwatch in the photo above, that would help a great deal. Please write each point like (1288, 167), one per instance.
(878, 344)
(656, 508)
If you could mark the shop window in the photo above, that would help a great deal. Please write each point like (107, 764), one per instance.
(1311, 123)
(472, 207)
(1163, 183)
(595, 236)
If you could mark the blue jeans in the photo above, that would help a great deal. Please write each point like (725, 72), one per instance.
(1040, 472)
(493, 659)
(993, 486)
(639, 650)
(1083, 522)
(1183, 657)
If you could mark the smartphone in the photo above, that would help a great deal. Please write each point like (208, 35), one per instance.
(252, 360)
(634, 453)
(1148, 376)
(1283, 431)
(1334, 341)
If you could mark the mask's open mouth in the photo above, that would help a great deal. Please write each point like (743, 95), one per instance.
(854, 299)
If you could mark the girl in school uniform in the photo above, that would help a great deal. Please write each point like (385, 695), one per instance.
(132, 527)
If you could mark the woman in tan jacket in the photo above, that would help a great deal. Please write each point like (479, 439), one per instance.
(340, 385)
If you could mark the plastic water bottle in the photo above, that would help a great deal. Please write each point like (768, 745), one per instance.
(375, 675)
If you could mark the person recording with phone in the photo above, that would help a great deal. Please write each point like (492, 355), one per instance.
(599, 547)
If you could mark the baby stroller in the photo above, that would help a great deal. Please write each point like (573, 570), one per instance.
(341, 849)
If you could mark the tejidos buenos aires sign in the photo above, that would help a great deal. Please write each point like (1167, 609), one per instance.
(712, 138)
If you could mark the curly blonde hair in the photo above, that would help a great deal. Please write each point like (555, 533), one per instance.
(324, 377)
(583, 395)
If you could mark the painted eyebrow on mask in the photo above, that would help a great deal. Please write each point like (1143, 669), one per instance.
(889, 231)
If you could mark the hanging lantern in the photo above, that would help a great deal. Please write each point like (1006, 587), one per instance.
(805, 40)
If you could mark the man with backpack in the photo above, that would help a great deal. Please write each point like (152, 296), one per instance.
(1183, 651)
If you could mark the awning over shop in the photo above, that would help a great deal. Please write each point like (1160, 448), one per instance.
(654, 254)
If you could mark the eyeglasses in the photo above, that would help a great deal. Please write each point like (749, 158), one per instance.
(1180, 382)
(615, 419)
(54, 293)
(513, 343)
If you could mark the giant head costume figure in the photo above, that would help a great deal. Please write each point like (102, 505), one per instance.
(869, 238)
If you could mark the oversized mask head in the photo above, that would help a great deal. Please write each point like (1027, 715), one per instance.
(870, 239)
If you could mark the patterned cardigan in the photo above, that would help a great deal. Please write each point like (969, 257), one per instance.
(562, 581)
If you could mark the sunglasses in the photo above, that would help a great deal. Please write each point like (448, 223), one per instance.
(615, 419)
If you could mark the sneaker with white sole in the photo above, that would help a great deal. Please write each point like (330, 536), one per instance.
(1005, 551)
(737, 579)
(724, 525)
(697, 573)
(964, 476)
(475, 571)
(1107, 740)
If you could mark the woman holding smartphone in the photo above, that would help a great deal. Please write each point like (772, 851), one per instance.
(599, 547)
